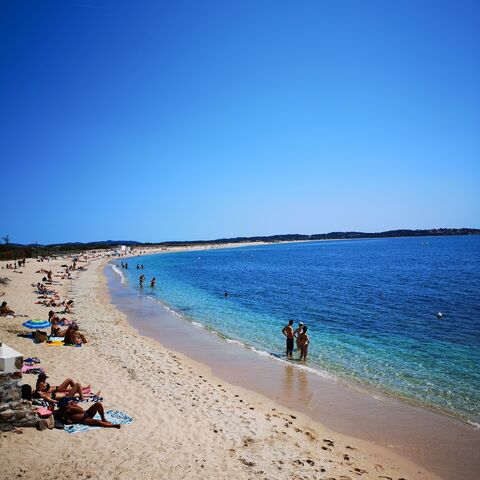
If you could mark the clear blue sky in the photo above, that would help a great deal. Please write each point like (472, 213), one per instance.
(195, 120)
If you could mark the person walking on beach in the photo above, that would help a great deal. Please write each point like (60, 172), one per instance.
(297, 333)
(303, 341)
(288, 332)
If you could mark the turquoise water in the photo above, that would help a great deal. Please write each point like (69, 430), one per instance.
(370, 306)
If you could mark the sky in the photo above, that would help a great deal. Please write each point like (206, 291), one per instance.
(179, 120)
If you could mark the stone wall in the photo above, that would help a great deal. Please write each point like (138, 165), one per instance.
(14, 412)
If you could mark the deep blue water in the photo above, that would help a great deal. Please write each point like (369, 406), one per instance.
(370, 306)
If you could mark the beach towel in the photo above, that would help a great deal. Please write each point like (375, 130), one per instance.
(44, 412)
(31, 360)
(40, 402)
(114, 416)
(93, 399)
(53, 344)
(32, 369)
(56, 339)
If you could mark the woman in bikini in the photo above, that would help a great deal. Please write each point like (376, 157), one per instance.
(71, 413)
(5, 310)
(302, 342)
(68, 388)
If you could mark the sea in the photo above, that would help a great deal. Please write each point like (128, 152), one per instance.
(399, 316)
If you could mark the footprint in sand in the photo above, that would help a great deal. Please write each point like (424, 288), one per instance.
(359, 471)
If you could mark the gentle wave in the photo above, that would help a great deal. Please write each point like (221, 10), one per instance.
(260, 353)
(119, 272)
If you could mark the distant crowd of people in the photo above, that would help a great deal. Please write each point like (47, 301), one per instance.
(60, 399)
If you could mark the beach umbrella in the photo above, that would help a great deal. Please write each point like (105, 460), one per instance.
(37, 324)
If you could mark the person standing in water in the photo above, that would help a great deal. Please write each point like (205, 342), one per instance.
(288, 332)
(141, 279)
(297, 333)
(303, 342)
(152, 282)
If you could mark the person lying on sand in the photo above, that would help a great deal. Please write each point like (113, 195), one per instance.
(43, 290)
(5, 310)
(52, 393)
(54, 318)
(70, 413)
(49, 302)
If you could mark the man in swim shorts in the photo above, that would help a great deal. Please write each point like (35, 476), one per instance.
(288, 332)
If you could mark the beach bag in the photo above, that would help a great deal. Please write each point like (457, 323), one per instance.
(40, 337)
(26, 392)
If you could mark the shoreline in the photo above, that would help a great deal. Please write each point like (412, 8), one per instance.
(382, 412)
(364, 388)
(187, 421)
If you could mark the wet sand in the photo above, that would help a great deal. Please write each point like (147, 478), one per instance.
(443, 445)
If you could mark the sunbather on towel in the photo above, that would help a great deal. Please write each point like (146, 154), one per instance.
(56, 330)
(5, 310)
(73, 336)
(68, 388)
(54, 318)
(71, 413)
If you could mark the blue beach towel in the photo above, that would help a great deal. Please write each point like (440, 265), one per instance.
(114, 416)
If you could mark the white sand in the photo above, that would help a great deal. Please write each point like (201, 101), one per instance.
(187, 423)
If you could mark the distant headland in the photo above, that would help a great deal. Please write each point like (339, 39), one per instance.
(15, 250)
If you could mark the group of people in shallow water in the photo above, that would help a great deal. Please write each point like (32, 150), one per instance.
(141, 281)
(300, 335)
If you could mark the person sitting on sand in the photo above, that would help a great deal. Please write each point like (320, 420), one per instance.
(73, 336)
(70, 413)
(68, 306)
(52, 394)
(5, 310)
(55, 329)
(303, 341)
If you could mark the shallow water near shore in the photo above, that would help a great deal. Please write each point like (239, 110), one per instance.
(437, 442)
(371, 307)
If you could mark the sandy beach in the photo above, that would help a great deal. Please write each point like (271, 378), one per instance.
(188, 422)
